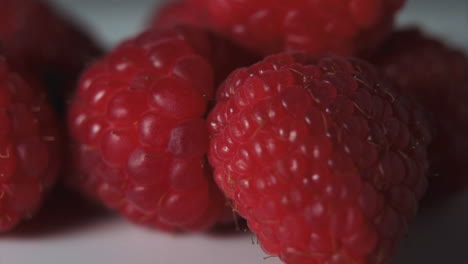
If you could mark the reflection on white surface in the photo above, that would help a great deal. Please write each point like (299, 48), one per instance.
(440, 234)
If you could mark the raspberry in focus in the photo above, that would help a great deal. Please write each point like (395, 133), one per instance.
(323, 159)
(30, 148)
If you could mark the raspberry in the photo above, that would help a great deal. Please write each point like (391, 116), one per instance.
(29, 148)
(324, 161)
(39, 40)
(342, 27)
(436, 75)
(179, 13)
(138, 123)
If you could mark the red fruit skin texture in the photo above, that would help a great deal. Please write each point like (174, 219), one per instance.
(40, 40)
(139, 132)
(435, 74)
(30, 148)
(180, 13)
(325, 162)
(318, 27)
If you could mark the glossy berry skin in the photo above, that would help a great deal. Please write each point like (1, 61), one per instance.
(318, 27)
(325, 162)
(30, 148)
(139, 132)
(435, 74)
(39, 40)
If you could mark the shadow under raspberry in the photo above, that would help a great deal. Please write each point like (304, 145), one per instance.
(62, 212)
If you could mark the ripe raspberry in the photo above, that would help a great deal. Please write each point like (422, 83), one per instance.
(39, 40)
(320, 26)
(29, 148)
(139, 128)
(436, 75)
(325, 162)
(180, 13)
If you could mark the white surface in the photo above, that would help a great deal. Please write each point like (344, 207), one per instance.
(114, 241)
(439, 235)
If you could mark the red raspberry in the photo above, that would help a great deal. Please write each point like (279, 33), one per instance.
(39, 40)
(436, 75)
(138, 121)
(325, 162)
(316, 26)
(29, 148)
(180, 13)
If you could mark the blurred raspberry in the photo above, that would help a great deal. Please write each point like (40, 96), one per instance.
(30, 148)
(317, 27)
(41, 41)
(435, 74)
(137, 122)
(179, 13)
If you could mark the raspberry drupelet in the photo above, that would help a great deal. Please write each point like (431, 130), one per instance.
(139, 131)
(324, 160)
(30, 147)
(436, 75)
(318, 27)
